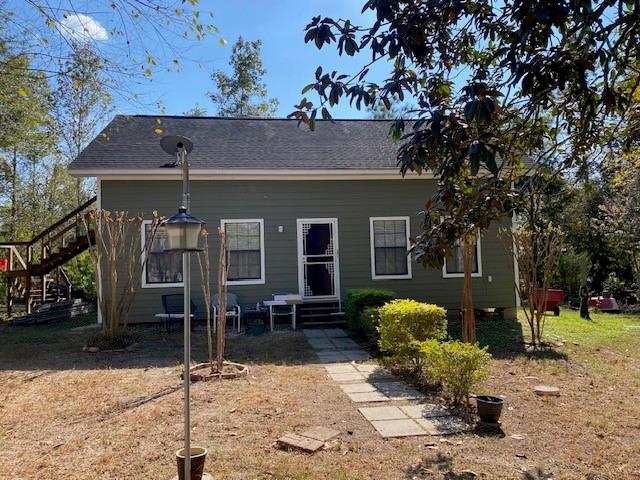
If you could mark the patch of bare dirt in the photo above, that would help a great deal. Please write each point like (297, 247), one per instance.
(66, 414)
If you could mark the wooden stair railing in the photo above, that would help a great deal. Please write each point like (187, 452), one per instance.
(30, 262)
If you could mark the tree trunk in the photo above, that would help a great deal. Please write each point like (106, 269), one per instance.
(468, 317)
(222, 300)
(14, 186)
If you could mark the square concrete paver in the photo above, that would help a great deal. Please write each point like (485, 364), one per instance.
(368, 397)
(356, 355)
(398, 428)
(309, 333)
(320, 343)
(347, 377)
(344, 343)
(330, 356)
(334, 333)
(398, 391)
(369, 367)
(379, 376)
(382, 413)
(358, 388)
(427, 410)
(340, 368)
(443, 425)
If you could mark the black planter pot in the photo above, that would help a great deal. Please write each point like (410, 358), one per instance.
(489, 408)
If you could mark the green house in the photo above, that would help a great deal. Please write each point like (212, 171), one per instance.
(309, 213)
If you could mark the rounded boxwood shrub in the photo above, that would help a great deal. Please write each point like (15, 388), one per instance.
(369, 321)
(405, 323)
(457, 366)
(357, 300)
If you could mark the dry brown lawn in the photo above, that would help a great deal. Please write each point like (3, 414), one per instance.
(66, 414)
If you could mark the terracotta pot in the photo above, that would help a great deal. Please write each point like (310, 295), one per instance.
(198, 457)
(489, 408)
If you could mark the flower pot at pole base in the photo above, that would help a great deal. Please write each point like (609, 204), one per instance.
(198, 457)
(489, 408)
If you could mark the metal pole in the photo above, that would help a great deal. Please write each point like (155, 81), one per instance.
(186, 277)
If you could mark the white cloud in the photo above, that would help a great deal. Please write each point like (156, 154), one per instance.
(83, 28)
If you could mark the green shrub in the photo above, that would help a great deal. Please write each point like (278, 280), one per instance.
(405, 323)
(357, 300)
(614, 285)
(457, 366)
(369, 321)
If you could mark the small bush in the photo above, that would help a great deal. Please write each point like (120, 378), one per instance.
(457, 366)
(357, 300)
(405, 323)
(369, 322)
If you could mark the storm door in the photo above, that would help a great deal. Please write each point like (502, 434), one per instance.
(318, 273)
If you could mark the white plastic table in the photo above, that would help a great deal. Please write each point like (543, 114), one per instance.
(283, 300)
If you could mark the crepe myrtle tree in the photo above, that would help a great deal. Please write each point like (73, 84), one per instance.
(492, 84)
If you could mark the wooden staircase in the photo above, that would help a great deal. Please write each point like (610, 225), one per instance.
(35, 273)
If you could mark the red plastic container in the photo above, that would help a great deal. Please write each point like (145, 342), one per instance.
(554, 299)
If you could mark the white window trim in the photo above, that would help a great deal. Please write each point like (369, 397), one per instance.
(143, 240)
(256, 281)
(374, 275)
(461, 275)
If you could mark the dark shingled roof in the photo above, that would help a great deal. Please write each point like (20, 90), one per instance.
(133, 142)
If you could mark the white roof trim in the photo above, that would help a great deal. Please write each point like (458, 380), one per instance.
(246, 174)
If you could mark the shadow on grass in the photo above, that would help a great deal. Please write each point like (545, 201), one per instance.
(59, 347)
(505, 339)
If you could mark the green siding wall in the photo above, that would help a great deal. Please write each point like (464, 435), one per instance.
(280, 203)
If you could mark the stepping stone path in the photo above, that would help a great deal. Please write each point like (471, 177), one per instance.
(368, 383)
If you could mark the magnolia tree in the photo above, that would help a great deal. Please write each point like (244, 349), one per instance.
(116, 246)
(493, 87)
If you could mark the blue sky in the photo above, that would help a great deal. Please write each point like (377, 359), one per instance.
(290, 64)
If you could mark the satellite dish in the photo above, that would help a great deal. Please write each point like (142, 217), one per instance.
(173, 143)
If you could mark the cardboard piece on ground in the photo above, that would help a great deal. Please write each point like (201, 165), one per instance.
(298, 442)
(322, 434)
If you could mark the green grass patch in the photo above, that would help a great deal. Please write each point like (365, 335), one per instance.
(618, 332)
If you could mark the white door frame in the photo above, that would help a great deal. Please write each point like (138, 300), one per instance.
(336, 258)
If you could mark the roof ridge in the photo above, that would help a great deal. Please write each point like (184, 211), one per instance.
(217, 117)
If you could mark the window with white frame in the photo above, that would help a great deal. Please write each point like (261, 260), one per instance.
(245, 243)
(389, 247)
(454, 264)
(162, 269)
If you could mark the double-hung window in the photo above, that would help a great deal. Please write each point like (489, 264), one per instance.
(454, 264)
(162, 269)
(245, 244)
(389, 247)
